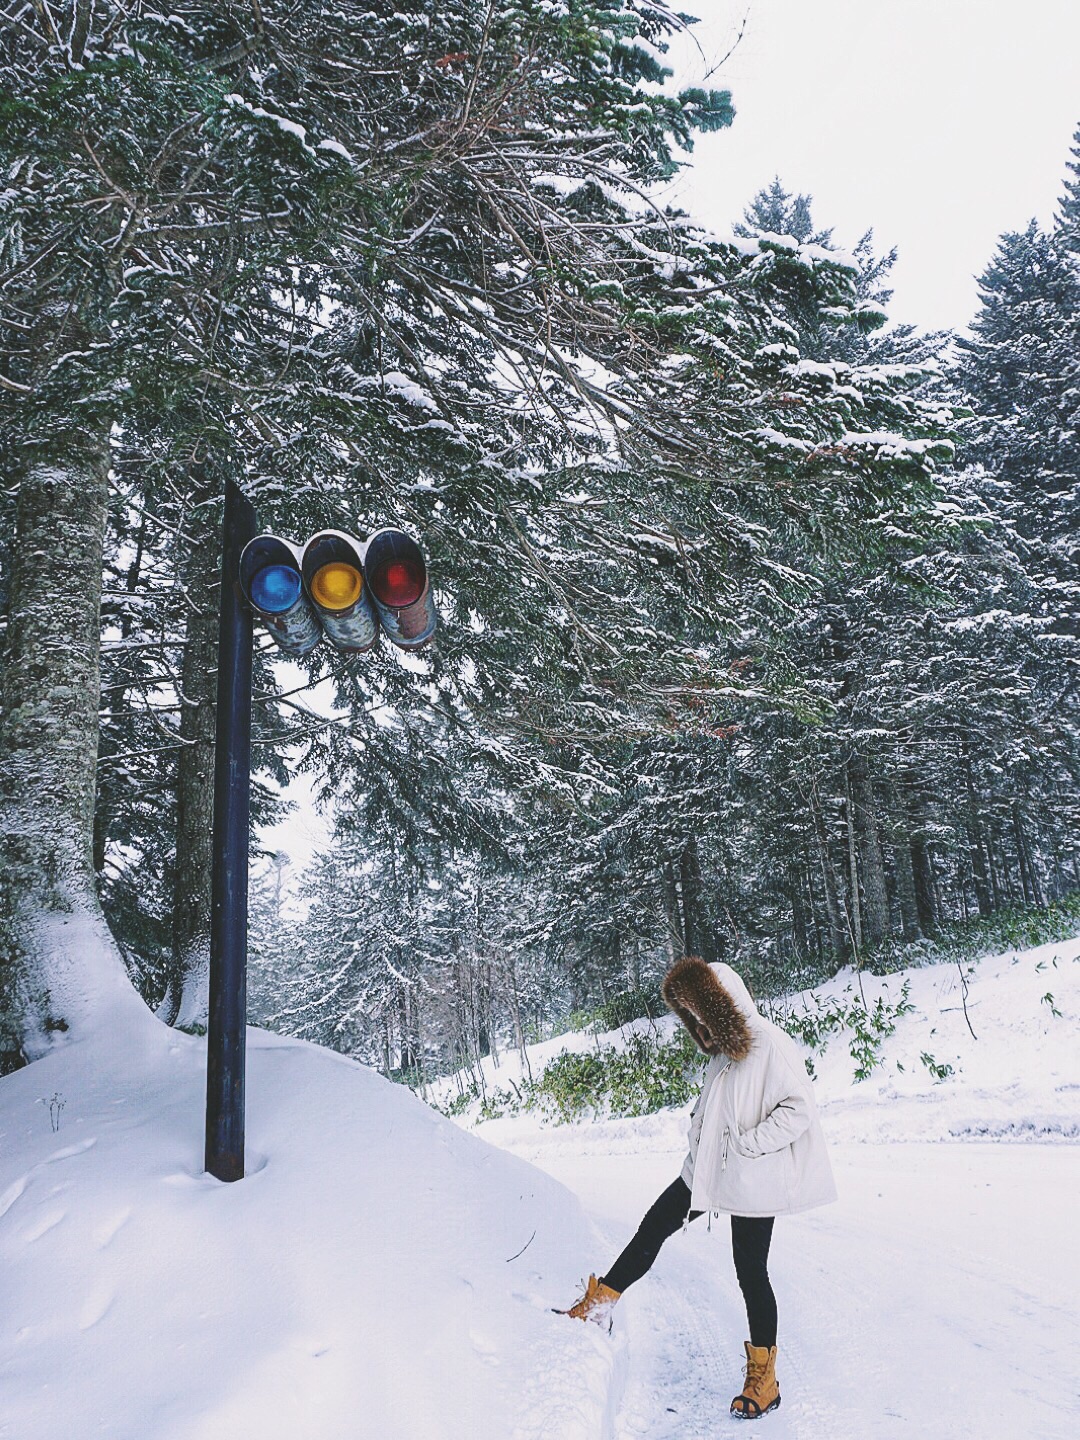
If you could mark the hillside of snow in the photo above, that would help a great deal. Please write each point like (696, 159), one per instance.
(383, 1274)
(378, 1275)
(986, 1051)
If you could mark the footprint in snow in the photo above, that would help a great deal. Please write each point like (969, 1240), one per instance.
(107, 1232)
(96, 1307)
(44, 1225)
(487, 1348)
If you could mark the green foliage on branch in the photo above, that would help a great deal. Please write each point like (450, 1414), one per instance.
(866, 1028)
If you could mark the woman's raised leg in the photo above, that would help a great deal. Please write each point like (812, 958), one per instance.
(663, 1217)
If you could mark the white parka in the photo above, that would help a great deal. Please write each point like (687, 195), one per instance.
(759, 1149)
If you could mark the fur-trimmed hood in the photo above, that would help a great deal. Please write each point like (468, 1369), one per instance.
(712, 1001)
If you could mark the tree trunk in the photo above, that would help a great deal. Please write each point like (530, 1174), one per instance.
(798, 914)
(1001, 880)
(855, 910)
(482, 992)
(405, 1054)
(976, 848)
(900, 851)
(816, 933)
(515, 1011)
(871, 855)
(1033, 892)
(103, 809)
(695, 923)
(186, 997)
(675, 939)
(60, 969)
(979, 873)
(633, 967)
(839, 935)
(923, 870)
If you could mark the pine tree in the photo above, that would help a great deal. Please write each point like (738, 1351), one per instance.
(611, 738)
(1019, 370)
(167, 195)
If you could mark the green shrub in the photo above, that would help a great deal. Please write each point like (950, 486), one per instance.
(631, 1005)
(460, 1103)
(939, 1069)
(868, 1029)
(1018, 927)
(646, 1075)
(497, 1103)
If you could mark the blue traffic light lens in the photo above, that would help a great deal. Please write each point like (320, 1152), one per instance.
(276, 588)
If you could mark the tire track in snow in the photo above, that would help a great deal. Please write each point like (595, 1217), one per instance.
(686, 1361)
(934, 1301)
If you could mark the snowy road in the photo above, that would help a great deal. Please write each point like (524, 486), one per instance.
(936, 1299)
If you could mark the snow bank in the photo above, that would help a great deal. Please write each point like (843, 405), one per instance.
(379, 1273)
(1012, 1074)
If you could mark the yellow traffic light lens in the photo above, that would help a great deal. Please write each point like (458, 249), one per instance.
(336, 586)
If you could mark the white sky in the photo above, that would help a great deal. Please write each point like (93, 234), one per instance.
(940, 124)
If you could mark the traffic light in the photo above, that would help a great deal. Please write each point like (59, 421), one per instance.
(273, 586)
(333, 574)
(398, 581)
(342, 587)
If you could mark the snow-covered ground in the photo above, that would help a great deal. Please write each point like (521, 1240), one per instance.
(379, 1273)
(383, 1275)
(938, 1297)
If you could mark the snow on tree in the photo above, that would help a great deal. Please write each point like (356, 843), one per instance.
(185, 192)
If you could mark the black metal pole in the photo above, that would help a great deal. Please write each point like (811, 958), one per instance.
(226, 1030)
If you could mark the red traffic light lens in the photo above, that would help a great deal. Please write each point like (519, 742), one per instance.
(395, 569)
(402, 584)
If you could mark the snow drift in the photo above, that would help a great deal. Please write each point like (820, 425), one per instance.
(379, 1273)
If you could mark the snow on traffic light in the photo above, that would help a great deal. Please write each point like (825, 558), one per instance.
(340, 587)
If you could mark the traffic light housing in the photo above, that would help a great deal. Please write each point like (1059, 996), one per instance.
(272, 584)
(398, 582)
(342, 587)
(333, 573)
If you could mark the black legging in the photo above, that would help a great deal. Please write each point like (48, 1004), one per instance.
(749, 1247)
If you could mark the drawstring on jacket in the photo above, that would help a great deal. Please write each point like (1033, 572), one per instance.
(711, 1099)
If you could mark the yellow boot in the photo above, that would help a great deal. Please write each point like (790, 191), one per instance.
(596, 1304)
(761, 1393)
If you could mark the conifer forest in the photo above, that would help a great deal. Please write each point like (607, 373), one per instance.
(759, 603)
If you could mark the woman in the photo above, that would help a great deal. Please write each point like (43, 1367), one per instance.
(756, 1151)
